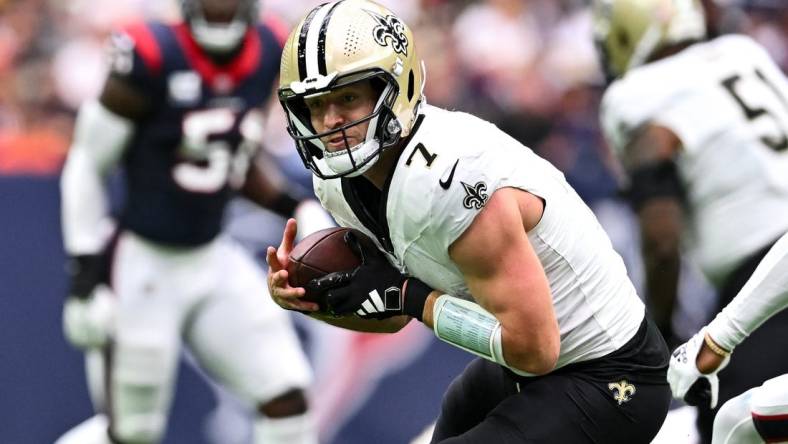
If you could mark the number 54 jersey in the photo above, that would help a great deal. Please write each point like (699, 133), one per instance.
(727, 102)
(194, 146)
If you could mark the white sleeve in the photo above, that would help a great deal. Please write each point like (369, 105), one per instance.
(611, 122)
(626, 106)
(687, 116)
(454, 210)
(100, 136)
(764, 295)
(632, 103)
(505, 163)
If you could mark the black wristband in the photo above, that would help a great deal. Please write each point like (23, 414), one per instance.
(655, 180)
(86, 272)
(416, 293)
(284, 205)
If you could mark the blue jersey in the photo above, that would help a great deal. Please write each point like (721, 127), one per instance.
(188, 153)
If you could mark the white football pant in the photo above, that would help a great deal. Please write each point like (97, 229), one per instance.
(215, 300)
(734, 421)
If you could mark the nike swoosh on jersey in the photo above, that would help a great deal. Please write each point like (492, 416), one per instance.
(445, 185)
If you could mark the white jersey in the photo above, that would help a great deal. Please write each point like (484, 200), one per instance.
(453, 163)
(764, 295)
(728, 104)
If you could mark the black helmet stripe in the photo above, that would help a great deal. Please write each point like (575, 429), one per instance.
(311, 41)
(302, 42)
(321, 42)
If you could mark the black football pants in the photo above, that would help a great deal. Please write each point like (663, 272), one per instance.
(483, 406)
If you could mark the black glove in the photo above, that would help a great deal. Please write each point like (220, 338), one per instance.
(88, 314)
(86, 272)
(699, 393)
(375, 289)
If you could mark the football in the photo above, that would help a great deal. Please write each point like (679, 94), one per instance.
(320, 253)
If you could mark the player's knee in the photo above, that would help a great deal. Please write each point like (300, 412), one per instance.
(139, 413)
(733, 423)
(769, 407)
(138, 429)
(285, 420)
(731, 414)
(141, 388)
(291, 403)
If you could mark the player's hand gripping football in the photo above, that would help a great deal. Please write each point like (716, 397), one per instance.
(89, 309)
(686, 380)
(287, 297)
(373, 290)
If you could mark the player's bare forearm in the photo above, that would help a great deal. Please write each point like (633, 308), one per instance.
(505, 277)
(351, 322)
(661, 288)
(650, 145)
(123, 99)
(707, 360)
(429, 304)
(661, 226)
(267, 188)
(656, 193)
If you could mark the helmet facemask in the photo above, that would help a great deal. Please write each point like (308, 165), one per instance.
(335, 45)
(383, 129)
(219, 37)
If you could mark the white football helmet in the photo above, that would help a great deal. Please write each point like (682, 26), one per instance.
(629, 32)
(219, 36)
(338, 44)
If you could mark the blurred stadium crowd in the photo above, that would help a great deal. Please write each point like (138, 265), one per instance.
(527, 65)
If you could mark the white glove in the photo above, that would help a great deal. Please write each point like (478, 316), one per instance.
(686, 381)
(89, 323)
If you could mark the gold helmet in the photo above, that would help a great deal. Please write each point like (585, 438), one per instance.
(629, 32)
(337, 44)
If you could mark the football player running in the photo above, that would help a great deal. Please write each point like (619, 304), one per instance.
(181, 114)
(476, 236)
(759, 414)
(701, 127)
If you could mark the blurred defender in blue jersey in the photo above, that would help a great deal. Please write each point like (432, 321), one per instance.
(181, 112)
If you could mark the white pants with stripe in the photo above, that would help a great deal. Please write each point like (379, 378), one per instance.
(213, 299)
(768, 403)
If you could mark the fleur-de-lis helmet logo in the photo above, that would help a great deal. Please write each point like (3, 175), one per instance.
(390, 30)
